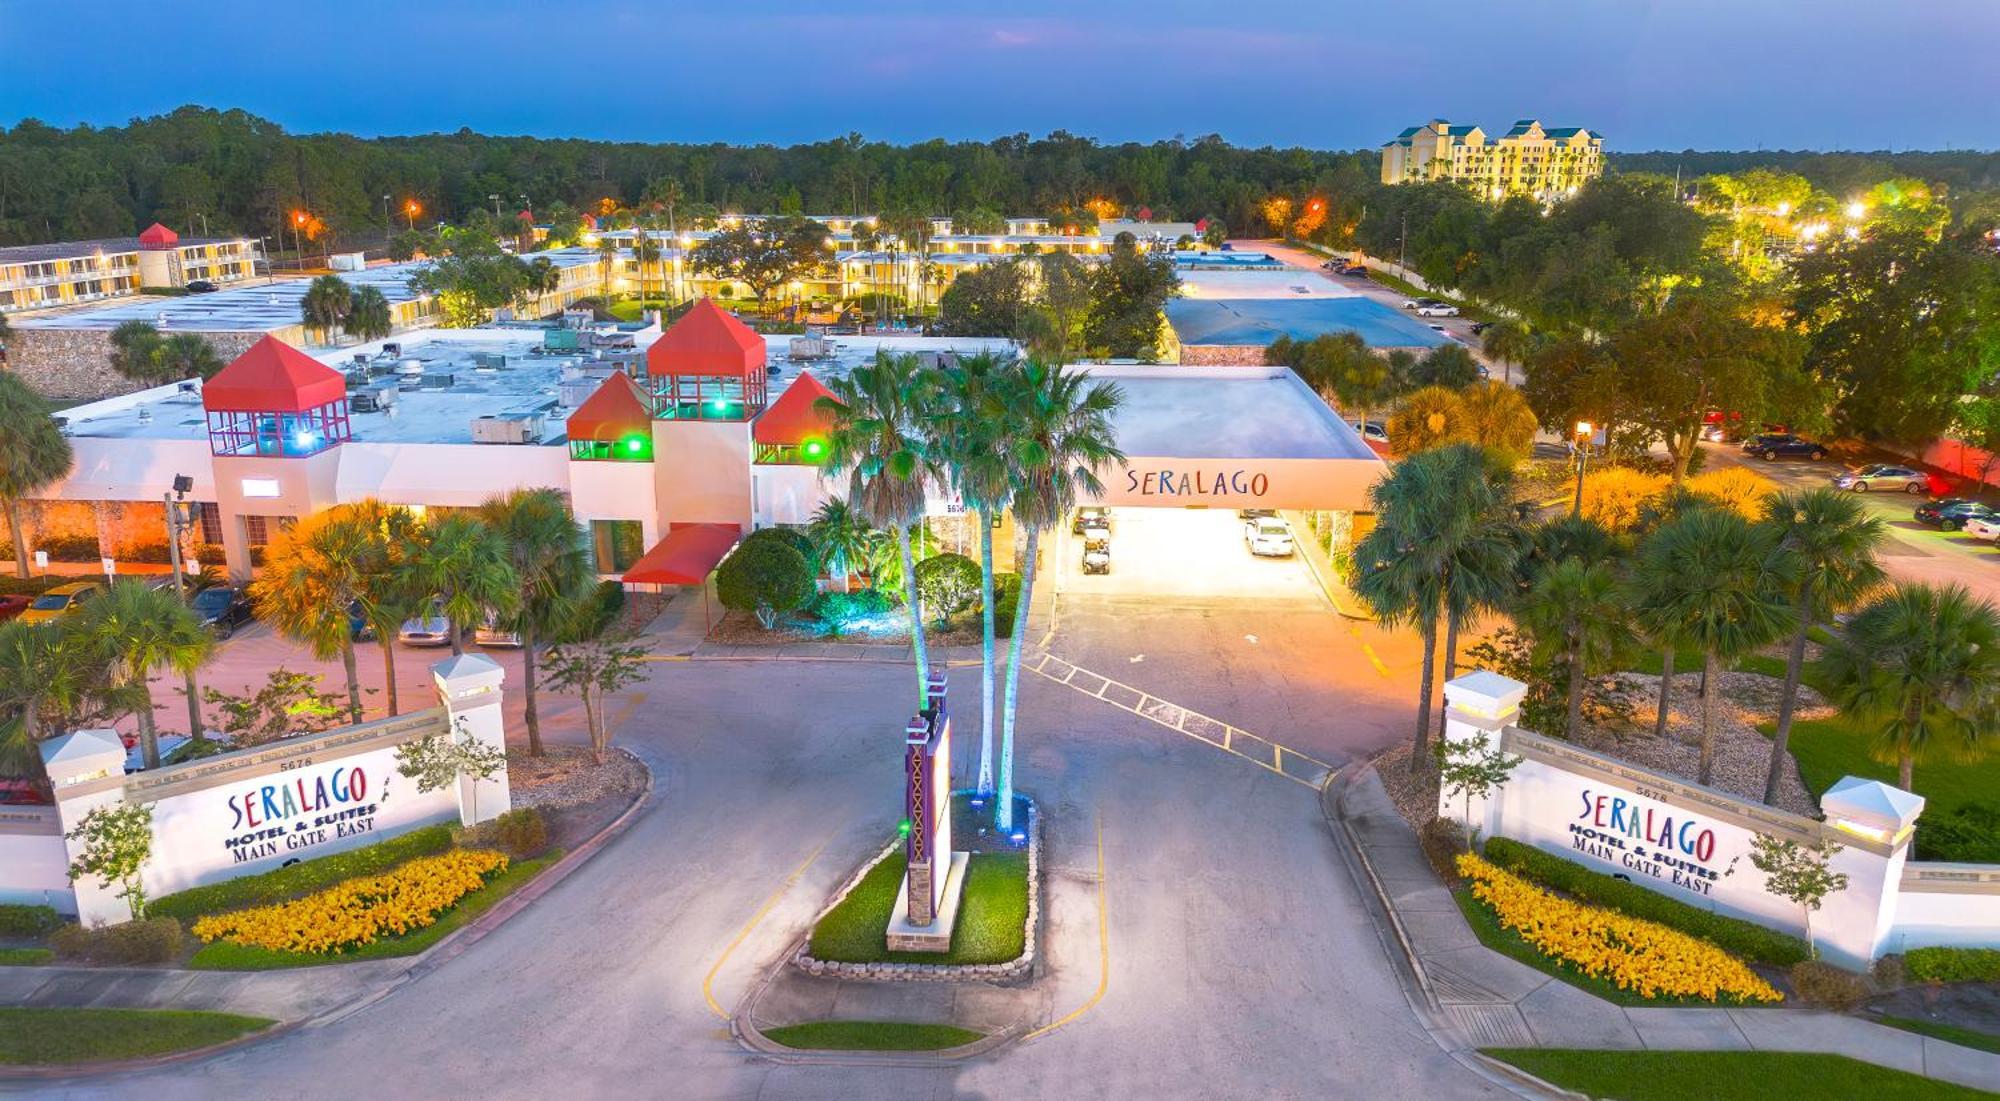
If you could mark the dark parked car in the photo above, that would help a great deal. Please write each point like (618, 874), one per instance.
(222, 609)
(357, 625)
(11, 606)
(200, 286)
(1783, 445)
(1951, 513)
(1353, 269)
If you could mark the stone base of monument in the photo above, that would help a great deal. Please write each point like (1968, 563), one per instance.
(935, 937)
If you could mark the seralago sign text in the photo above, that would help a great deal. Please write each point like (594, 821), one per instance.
(299, 810)
(1647, 838)
(1196, 483)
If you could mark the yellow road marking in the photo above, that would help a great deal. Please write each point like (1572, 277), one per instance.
(708, 982)
(1103, 948)
(1370, 651)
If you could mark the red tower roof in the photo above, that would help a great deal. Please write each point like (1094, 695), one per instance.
(273, 377)
(795, 417)
(617, 408)
(707, 341)
(158, 236)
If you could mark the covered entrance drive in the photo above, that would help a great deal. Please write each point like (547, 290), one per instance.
(1185, 554)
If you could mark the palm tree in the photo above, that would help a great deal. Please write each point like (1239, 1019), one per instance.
(39, 675)
(1509, 342)
(388, 594)
(33, 453)
(368, 316)
(1711, 579)
(185, 355)
(326, 302)
(1577, 605)
(1922, 662)
(1059, 435)
(973, 439)
(138, 629)
(876, 440)
(311, 575)
(464, 565)
(1477, 569)
(1832, 541)
(607, 255)
(545, 546)
(844, 540)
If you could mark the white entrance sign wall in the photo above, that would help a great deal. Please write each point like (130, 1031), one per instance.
(257, 809)
(34, 858)
(1681, 839)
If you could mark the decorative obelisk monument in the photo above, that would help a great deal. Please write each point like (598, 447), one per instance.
(927, 907)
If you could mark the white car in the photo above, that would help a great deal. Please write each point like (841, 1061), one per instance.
(1980, 527)
(432, 629)
(1436, 309)
(1268, 537)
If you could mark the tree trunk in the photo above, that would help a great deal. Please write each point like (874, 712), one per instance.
(1005, 818)
(1450, 664)
(532, 719)
(1707, 768)
(987, 641)
(1666, 689)
(457, 643)
(353, 678)
(389, 670)
(917, 647)
(590, 726)
(1420, 750)
(194, 708)
(1906, 770)
(14, 532)
(149, 737)
(1788, 700)
(1573, 720)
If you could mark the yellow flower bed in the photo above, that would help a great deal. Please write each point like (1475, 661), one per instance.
(358, 911)
(1639, 956)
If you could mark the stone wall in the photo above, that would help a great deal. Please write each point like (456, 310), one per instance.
(1222, 355)
(75, 364)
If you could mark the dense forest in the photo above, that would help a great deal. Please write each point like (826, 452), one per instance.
(230, 171)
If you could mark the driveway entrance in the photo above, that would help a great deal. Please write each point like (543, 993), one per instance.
(1187, 554)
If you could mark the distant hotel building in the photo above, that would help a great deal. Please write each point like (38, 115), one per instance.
(1526, 160)
(40, 276)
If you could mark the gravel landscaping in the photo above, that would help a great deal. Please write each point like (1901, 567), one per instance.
(576, 795)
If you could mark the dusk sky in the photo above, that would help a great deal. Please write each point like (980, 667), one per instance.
(1649, 74)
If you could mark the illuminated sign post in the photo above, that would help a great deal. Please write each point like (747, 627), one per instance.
(927, 906)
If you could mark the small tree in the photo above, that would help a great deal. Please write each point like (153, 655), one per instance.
(593, 669)
(1470, 768)
(117, 842)
(949, 583)
(288, 704)
(1428, 418)
(765, 577)
(1798, 873)
(438, 760)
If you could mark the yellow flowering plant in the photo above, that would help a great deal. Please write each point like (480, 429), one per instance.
(1642, 957)
(359, 911)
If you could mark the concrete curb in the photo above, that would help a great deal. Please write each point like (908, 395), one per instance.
(448, 948)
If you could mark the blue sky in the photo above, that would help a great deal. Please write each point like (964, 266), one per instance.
(1650, 74)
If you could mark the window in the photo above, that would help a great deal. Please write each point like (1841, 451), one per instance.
(617, 544)
(259, 530)
(209, 517)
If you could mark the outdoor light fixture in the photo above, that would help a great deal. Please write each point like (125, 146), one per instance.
(183, 484)
(813, 448)
(903, 828)
(1857, 209)
(304, 438)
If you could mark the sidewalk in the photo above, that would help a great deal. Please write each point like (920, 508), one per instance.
(1475, 998)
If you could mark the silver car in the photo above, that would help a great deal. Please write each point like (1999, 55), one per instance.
(432, 629)
(1884, 476)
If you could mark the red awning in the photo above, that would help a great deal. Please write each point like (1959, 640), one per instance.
(707, 341)
(686, 556)
(795, 416)
(617, 408)
(273, 377)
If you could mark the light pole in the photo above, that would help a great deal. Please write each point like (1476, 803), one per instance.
(1580, 447)
(179, 519)
(496, 206)
(388, 220)
(411, 209)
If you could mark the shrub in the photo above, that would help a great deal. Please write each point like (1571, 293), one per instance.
(69, 548)
(307, 875)
(948, 584)
(1968, 833)
(792, 537)
(838, 609)
(1642, 957)
(154, 554)
(765, 577)
(1733, 488)
(18, 920)
(151, 940)
(1428, 418)
(1823, 984)
(522, 831)
(359, 911)
(1006, 599)
(1953, 964)
(1443, 841)
(1747, 939)
(1616, 497)
(1888, 973)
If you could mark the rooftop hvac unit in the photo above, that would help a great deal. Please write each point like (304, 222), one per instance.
(372, 399)
(439, 380)
(516, 428)
(488, 361)
(809, 347)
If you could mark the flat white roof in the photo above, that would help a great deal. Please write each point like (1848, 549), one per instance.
(1226, 412)
(1261, 283)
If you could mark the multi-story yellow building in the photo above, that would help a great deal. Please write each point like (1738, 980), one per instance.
(1529, 159)
(38, 276)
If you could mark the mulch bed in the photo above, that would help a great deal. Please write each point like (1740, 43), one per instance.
(577, 796)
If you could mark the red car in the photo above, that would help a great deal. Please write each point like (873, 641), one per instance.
(11, 606)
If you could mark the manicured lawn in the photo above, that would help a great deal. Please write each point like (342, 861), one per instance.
(991, 920)
(226, 955)
(1828, 749)
(1689, 661)
(1723, 1075)
(1951, 1034)
(1508, 943)
(303, 878)
(25, 957)
(872, 1036)
(47, 1037)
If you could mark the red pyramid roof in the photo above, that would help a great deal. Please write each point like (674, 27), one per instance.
(273, 377)
(158, 236)
(707, 341)
(795, 417)
(1201, 226)
(615, 409)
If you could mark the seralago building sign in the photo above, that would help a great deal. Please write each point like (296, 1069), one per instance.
(305, 807)
(1646, 838)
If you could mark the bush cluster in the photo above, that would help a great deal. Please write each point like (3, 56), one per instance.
(308, 875)
(152, 940)
(1823, 984)
(18, 920)
(1743, 938)
(1952, 964)
(1969, 834)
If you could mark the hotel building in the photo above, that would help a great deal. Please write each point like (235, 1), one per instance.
(1547, 163)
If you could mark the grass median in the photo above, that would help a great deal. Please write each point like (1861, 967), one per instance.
(1723, 1075)
(871, 1036)
(992, 916)
(48, 1036)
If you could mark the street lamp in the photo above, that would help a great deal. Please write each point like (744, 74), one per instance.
(299, 236)
(180, 517)
(496, 206)
(1580, 447)
(411, 209)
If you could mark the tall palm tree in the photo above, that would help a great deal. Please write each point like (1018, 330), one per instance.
(463, 564)
(1059, 436)
(368, 316)
(185, 355)
(139, 629)
(1711, 579)
(973, 438)
(386, 594)
(844, 540)
(1477, 568)
(1832, 541)
(1923, 663)
(545, 546)
(326, 302)
(311, 574)
(1577, 606)
(607, 255)
(41, 676)
(33, 453)
(1509, 342)
(876, 439)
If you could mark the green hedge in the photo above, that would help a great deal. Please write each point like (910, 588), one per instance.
(27, 921)
(306, 876)
(1747, 939)
(1952, 964)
